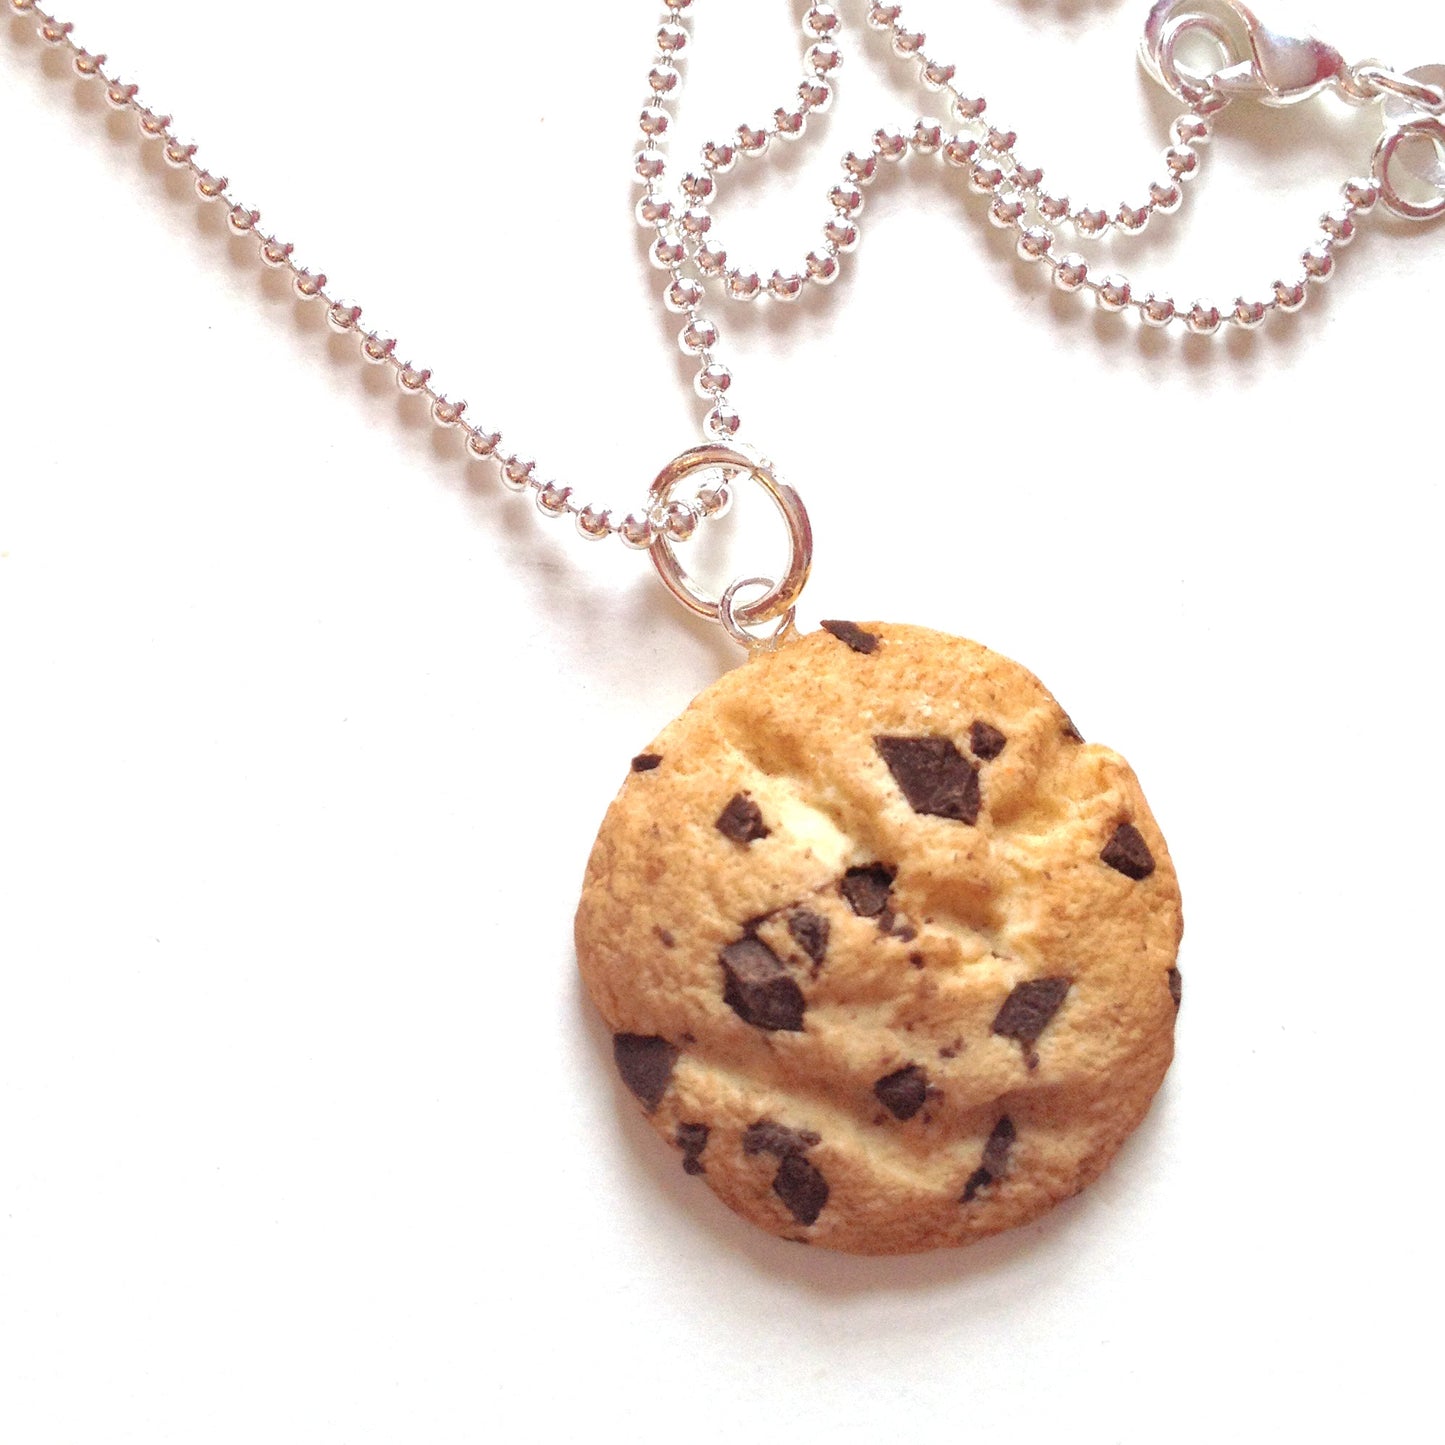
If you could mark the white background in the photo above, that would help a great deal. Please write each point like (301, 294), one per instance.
(306, 1132)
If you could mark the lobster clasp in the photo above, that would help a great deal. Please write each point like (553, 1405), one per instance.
(1276, 67)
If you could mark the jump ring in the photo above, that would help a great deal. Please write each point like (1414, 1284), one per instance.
(778, 601)
(729, 613)
(1416, 93)
(1430, 127)
(1421, 89)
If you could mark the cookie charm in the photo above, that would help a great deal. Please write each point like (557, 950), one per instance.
(886, 949)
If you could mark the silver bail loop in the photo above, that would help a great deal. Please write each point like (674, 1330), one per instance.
(1275, 67)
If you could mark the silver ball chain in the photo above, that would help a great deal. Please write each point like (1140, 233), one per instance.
(985, 152)
(517, 472)
(688, 247)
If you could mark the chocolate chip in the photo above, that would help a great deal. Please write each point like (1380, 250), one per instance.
(692, 1140)
(1176, 986)
(1027, 1010)
(916, 959)
(810, 932)
(1070, 731)
(742, 820)
(645, 1063)
(986, 740)
(801, 1187)
(935, 777)
(866, 888)
(664, 936)
(952, 1051)
(767, 1136)
(906, 933)
(903, 1092)
(759, 989)
(995, 1159)
(646, 762)
(853, 635)
(1127, 853)
(996, 1151)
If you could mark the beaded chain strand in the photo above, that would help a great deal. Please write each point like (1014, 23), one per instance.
(688, 247)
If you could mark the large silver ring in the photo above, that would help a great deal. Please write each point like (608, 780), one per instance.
(782, 594)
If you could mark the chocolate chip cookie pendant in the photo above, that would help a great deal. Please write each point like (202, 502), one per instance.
(886, 949)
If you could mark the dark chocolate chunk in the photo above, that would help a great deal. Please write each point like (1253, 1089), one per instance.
(853, 635)
(996, 1151)
(1176, 986)
(903, 1092)
(810, 932)
(905, 933)
(1027, 1010)
(759, 989)
(866, 888)
(664, 936)
(742, 820)
(986, 740)
(976, 1181)
(1127, 853)
(767, 1136)
(645, 1063)
(916, 959)
(995, 1159)
(646, 762)
(801, 1187)
(935, 777)
(1070, 731)
(692, 1140)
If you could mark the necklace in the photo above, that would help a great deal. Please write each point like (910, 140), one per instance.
(822, 1101)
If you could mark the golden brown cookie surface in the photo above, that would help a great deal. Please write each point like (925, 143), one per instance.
(888, 953)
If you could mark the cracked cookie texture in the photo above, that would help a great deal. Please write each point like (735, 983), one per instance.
(886, 949)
